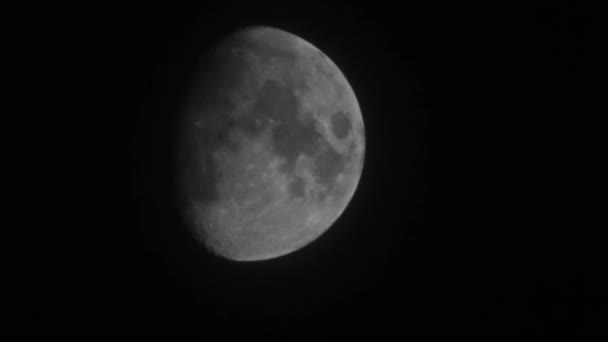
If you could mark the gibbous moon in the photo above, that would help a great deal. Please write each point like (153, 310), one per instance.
(270, 146)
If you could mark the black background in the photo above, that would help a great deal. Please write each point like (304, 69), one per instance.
(464, 225)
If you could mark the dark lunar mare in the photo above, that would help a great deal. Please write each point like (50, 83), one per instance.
(297, 187)
(291, 136)
(294, 135)
(340, 124)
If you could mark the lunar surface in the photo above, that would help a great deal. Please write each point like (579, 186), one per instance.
(270, 146)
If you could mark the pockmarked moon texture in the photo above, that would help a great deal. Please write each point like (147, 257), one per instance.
(270, 146)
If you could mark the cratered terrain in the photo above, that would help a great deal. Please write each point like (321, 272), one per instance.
(270, 145)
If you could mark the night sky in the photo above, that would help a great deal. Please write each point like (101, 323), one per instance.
(463, 225)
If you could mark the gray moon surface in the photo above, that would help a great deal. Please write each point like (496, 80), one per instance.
(270, 147)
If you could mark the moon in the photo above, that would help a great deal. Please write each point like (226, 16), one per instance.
(270, 145)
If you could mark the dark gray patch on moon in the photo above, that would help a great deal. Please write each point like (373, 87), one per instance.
(328, 164)
(297, 187)
(291, 137)
(294, 138)
(276, 102)
(340, 124)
